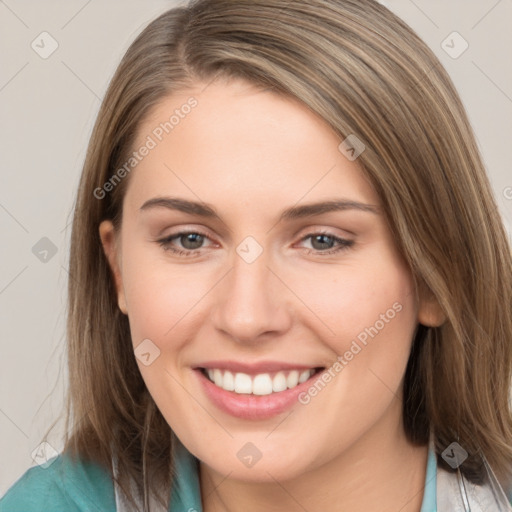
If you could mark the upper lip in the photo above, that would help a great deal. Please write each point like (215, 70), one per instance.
(256, 367)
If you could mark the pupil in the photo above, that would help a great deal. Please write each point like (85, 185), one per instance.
(320, 237)
(193, 238)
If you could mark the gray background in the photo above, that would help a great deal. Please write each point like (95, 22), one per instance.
(47, 108)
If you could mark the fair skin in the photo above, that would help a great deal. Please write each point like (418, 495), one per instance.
(250, 154)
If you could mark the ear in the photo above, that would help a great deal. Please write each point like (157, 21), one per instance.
(110, 243)
(430, 313)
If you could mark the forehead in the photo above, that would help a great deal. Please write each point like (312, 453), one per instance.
(227, 141)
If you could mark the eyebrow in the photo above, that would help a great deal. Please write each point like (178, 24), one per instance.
(292, 213)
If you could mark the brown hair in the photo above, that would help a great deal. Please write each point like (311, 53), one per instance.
(365, 72)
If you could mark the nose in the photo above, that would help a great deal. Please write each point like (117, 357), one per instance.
(252, 303)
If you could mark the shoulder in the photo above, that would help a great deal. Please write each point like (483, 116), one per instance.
(64, 485)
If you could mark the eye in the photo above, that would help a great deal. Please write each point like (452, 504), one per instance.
(192, 242)
(324, 240)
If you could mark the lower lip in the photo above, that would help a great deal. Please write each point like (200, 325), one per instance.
(252, 407)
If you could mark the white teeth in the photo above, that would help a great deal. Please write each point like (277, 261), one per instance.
(293, 379)
(243, 383)
(217, 377)
(261, 384)
(279, 382)
(304, 376)
(229, 382)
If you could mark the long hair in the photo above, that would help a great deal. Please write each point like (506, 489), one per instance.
(364, 72)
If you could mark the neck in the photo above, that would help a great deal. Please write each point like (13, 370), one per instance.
(381, 471)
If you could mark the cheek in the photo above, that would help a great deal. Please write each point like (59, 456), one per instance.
(359, 299)
(373, 314)
(368, 313)
(161, 298)
(162, 304)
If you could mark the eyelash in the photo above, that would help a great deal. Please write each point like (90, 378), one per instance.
(343, 243)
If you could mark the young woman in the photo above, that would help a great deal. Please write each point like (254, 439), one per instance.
(290, 287)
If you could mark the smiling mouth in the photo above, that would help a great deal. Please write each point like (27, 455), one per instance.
(260, 384)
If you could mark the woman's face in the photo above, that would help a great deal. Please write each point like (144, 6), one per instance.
(256, 297)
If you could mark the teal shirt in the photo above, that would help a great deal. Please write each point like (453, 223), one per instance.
(86, 487)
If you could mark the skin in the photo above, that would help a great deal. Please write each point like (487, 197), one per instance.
(250, 154)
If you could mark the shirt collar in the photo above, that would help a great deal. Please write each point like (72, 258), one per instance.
(186, 492)
(430, 492)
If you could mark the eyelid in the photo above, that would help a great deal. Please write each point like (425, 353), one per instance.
(342, 244)
(163, 229)
(182, 232)
(335, 231)
(170, 231)
(301, 233)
